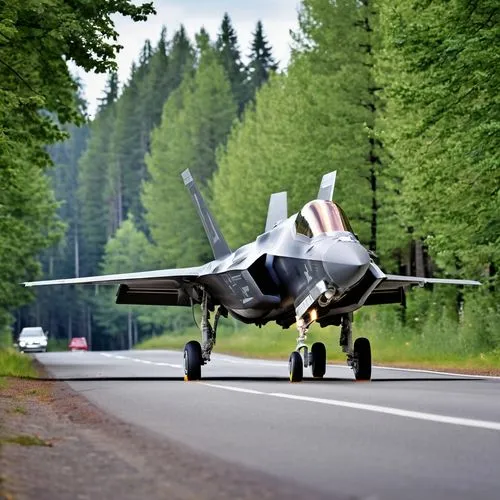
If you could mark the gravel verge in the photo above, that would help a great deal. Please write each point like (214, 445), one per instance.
(70, 449)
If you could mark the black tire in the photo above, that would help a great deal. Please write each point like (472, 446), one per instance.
(318, 351)
(296, 367)
(362, 359)
(192, 361)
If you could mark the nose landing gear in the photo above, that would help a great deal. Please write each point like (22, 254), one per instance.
(315, 358)
(359, 356)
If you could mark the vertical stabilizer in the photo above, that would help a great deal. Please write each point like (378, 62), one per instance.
(327, 186)
(219, 246)
(277, 211)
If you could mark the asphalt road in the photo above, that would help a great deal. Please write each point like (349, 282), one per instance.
(407, 434)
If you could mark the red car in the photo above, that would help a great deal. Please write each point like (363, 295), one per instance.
(78, 344)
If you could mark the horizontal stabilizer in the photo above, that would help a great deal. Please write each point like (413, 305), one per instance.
(327, 186)
(219, 246)
(277, 211)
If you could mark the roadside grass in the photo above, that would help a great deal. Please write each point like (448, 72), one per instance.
(15, 364)
(26, 440)
(21, 410)
(57, 345)
(441, 347)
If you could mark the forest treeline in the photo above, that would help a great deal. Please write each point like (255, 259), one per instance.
(400, 98)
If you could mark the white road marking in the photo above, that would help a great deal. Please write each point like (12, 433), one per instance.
(138, 360)
(235, 389)
(242, 361)
(239, 361)
(398, 412)
(172, 365)
(433, 372)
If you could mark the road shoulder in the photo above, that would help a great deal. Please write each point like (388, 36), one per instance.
(58, 445)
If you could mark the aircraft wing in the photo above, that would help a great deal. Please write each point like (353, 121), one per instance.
(162, 287)
(394, 281)
(391, 288)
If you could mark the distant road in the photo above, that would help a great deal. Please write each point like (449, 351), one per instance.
(405, 435)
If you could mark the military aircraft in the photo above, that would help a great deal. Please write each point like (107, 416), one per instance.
(309, 267)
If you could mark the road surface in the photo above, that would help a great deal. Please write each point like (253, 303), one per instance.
(407, 434)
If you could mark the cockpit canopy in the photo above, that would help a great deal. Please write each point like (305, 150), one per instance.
(321, 216)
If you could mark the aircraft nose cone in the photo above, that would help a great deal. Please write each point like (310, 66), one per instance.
(346, 263)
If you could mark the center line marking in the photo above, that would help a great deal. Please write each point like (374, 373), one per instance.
(145, 361)
(235, 389)
(398, 412)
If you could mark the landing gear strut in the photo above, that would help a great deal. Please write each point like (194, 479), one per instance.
(196, 354)
(315, 358)
(359, 356)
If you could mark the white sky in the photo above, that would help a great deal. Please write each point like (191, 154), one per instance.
(277, 16)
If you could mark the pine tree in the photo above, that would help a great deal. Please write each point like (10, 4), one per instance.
(93, 193)
(320, 117)
(110, 92)
(261, 63)
(181, 59)
(229, 53)
(154, 88)
(196, 121)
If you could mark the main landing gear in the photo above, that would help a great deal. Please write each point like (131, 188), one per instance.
(359, 356)
(196, 354)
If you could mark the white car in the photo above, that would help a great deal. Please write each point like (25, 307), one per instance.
(32, 339)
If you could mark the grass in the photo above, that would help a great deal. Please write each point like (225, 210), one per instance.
(25, 440)
(57, 345)
(19, 410)
(443, 349)
(15, 364)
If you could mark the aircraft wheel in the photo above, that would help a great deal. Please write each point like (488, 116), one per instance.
(192, 361)
(318, 351)
(296, 367)
(362, 365)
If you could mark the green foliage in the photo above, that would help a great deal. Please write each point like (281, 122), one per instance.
(27, 225)
(24, 440)
(14, 364)
(317, 118)
(37, 96)
(196, 120)
(93, 193)
(443, 126)
(401, 99)
(261, 63)
(254, 164)
(230, 57)
(127, 251)
(57, 345)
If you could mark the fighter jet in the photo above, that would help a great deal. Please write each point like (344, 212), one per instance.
(309, 267)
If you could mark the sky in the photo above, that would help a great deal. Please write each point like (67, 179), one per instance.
(278, 18)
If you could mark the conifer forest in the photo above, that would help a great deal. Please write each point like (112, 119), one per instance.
(402, 98)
